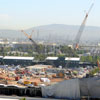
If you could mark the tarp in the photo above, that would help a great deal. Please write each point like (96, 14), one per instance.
(45, 80)
(90, 87)
(68, 89)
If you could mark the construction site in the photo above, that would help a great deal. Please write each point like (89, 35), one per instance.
(33, 67)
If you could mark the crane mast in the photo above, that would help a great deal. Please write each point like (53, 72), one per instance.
(81, 29)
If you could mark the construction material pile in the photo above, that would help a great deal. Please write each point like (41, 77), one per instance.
(29, 76)
(38, 75)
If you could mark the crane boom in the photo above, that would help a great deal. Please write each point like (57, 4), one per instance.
(78, 36)
(29, 37)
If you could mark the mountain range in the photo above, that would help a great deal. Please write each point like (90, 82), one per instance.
(54, 33)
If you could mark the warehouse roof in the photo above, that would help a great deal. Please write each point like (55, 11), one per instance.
(20, 58)
(7, 99)
(1, 56)
(51, 58)
(72, 58)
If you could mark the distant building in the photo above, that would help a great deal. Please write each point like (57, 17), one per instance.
(71, 46)
(1, 60)
(63, 61)
(51, 60)
(21, 44)
(12, 60)
(72, 61)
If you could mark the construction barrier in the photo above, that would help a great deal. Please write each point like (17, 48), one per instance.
(21, 91)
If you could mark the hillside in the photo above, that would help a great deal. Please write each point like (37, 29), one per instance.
(55, 32)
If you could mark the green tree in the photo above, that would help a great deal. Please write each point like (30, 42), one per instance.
(23, 99)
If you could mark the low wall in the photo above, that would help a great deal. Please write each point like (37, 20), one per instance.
(31, 92)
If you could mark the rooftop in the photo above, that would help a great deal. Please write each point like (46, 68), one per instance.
(51, 58)
(72, 59)
(20, 58)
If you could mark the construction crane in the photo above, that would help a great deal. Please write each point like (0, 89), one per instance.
(81, 29)
(30, 38)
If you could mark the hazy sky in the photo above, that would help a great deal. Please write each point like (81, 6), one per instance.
(23, 14)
